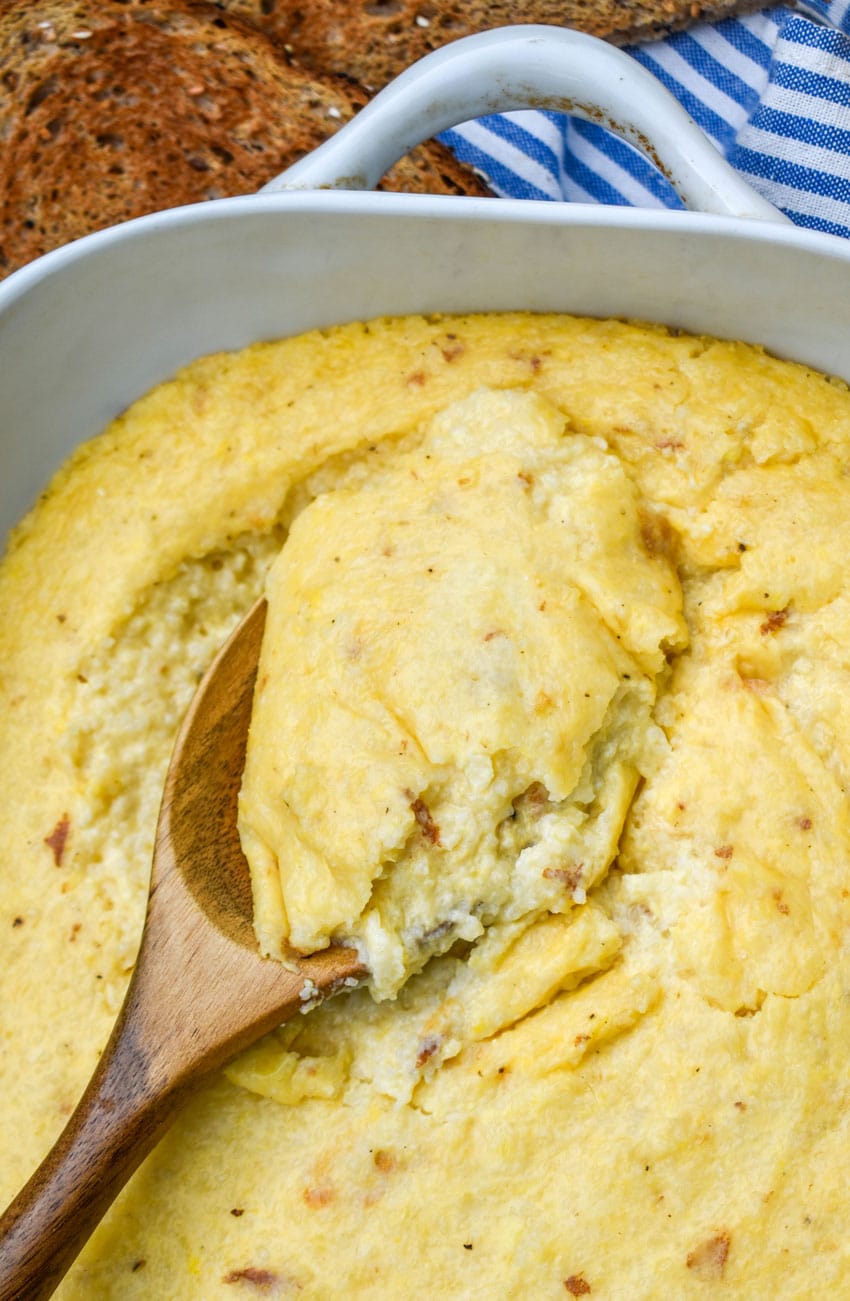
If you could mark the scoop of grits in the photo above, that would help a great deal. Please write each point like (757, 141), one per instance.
(634, 1083)
(454, 693)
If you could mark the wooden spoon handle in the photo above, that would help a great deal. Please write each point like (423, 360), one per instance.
(200, 992)
(119, 1119)
(176, 1027)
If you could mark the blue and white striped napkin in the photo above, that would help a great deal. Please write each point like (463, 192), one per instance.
(771, 90)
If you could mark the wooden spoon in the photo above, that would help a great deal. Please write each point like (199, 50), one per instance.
(199, 994)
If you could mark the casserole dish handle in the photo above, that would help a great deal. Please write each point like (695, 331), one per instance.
(529, 67)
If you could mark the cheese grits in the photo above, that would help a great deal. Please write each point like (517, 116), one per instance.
(552, 724)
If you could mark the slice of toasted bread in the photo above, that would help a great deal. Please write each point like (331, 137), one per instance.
(373, 40)
(110, 110)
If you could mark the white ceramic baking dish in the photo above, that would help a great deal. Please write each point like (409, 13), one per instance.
(87, 328)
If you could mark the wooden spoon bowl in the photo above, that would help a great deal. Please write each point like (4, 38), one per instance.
(200, 992)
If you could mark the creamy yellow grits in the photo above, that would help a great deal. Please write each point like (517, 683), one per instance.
(569, 712)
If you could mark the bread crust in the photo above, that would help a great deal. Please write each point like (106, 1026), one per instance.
(112, 110)
(374, 40)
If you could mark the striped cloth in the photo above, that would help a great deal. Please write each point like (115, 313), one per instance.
(771, 90)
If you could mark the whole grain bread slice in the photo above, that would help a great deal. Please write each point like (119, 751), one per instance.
(110, 110)
(374, 40)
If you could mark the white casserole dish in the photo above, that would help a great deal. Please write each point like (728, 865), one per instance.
(89, 327)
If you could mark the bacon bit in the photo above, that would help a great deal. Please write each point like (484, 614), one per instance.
(542, 606)
(805, 824)
(453, 350)
(417, 379)
(534, 798)
(708, 1260)
(17, 921)
(426, 823)
(669, 445)
(658, 536)
(781, 905)
(568, 876)
(725, 851)
(237, 1211)
(741, 1106)
(497, 632)
(58, 838)
(75, 930)
(533, 360)
(428, 1048)
(680, 806)
(577, 1285)
(774, 621)
(261, 1278)
(435, 933)
(385, 1161)
(581, 1039)
(321, 1196)
(526, 478)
